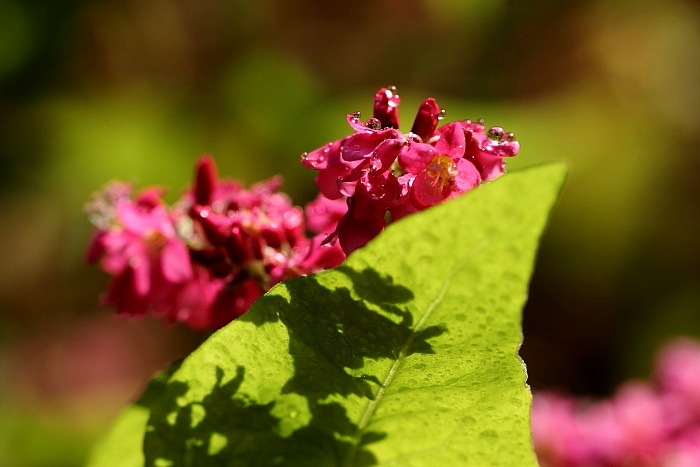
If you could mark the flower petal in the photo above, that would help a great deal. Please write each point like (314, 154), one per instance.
(452, 140)
(175, 262)
(386, 107)
(362, 145)
(415, 157)
(427, 119)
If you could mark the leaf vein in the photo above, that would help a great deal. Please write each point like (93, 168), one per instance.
(403, 353)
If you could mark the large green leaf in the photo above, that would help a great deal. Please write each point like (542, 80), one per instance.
(405, 355)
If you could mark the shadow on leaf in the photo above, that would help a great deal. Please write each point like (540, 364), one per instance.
(332, 334)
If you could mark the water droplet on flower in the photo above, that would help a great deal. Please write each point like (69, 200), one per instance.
(373, 124)
(217, 206)
(496, 134)
(510, 137)
(304, 156)
(441, 115)
(356, 115)
(480, 121)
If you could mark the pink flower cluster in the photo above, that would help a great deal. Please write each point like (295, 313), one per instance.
(654, 423)
(384, 174)
(204, 260)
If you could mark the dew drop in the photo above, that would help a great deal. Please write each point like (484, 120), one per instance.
(510, 137)
(356, 115)
(441, 115)
(468, 420)
(496, 134)
(480, 121)
(373, 124)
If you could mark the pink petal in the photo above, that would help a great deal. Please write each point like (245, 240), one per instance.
(323, 214)
(141, 267)
(467, 177)
(323, 157)
(353, 234)
(327, 180)
(386, 107)
(427, 119)
(385, 154)
(452, 140)
(425, 192)
(415, 157)
(205, 181)
(175, 262)
(361, 145)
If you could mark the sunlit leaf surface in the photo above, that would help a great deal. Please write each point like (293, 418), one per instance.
(405, 355)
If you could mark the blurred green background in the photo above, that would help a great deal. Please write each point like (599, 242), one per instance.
(101, 90)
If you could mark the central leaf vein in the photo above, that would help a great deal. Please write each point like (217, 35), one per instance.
(403, 353)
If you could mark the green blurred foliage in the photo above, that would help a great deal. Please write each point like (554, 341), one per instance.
(102, 90)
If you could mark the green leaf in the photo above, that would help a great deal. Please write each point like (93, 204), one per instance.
(405, 355)
(122, 445)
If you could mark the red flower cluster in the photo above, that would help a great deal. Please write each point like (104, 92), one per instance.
(204, 260)
(643, 424)
(385, 174)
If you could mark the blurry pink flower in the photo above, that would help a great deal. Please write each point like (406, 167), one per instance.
(643, 424)
(640, 425)
(139, 247)
(555, 431)
(206, 259)
(684, 451)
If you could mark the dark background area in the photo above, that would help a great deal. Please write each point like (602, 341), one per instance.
(137, 90)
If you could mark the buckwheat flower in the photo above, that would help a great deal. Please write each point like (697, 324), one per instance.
(256, 233)
(386, 174)
(136, 243)
(251, 239)
(207, 258)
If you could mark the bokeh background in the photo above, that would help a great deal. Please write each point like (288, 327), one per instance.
(92, 91)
